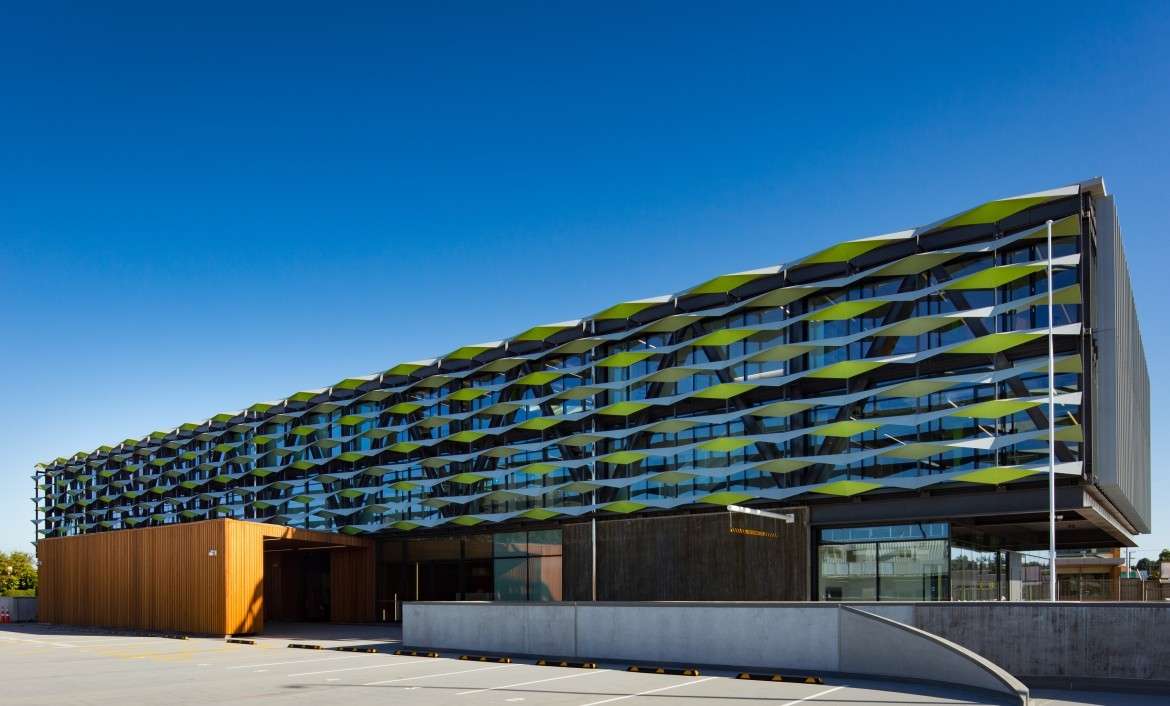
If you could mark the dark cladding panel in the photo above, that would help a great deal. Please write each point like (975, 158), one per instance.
(688, 558)
(1121, 446)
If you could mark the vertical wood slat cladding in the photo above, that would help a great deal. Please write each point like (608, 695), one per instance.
(163, 578)
(351, 584)
(687, 558)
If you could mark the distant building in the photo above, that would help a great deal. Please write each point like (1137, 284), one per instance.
(890, 392)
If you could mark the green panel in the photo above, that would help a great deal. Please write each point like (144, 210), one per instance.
(499, 408)
(724, 391)
(538, 469)
(405, 447)
(673, 323)
(780, 409)
(624, 359)
(917, 388)
(671, 374)
(623, 507)
(918, 326)
(538, 513)
(672, 477)
(670, 426)
(845, 488)
(468, 352)
(623, 409)
(995, 343)
(351, 456)
(843, 252)
(994, 476)
(725, 445)
(467, 520)
(844, 429)
(539, 423)
(845, 369)
(405, 525)
(351, 420)
(723, 338)
(579, 393)
(580, 439)
(993, 211)
(783, 296)
(502, 365)
(725, 283)
(543, 377)
(1065, 227)
(916, 264)
(843, 311)
(917, 451)
(352, 383)
(404, 369)
(993, 409)
(725, 498)
(467, 437)
(623, 457)
(623, 311)
(783, 352)
(404, 485)
(580, 345)
(467, 478)
(467, 394)
(783, 465)
(541, 333)
(303, 430)
(993, 277)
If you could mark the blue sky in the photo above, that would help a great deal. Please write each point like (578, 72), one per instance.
(200, 211)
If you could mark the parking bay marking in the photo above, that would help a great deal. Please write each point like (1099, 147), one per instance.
(387, 665)
(814, 696)
(294, 661)
(537, 681)
(445, 674)
(651, 691)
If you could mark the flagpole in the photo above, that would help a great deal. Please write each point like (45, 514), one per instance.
(1051, 433)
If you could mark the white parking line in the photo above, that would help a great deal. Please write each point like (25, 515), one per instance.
(818, 694)
(651, 691)
(295, 661)
(445, 674)
(352, 669)
(538, 681)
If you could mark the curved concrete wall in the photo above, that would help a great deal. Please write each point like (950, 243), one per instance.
(872, 644)
(813, 637)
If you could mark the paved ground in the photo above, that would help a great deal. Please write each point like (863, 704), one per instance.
(58, 666)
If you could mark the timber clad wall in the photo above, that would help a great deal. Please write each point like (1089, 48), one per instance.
(688, 558)
(164, 578)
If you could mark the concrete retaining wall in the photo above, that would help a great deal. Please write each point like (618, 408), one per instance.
(1119, 645)
(812, 637)
(22, 610)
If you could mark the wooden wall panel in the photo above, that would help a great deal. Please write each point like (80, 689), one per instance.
(159, 578)
(164, 578)
(351, 577)
(687, 558)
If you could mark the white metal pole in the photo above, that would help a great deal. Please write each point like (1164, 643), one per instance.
(1051, 433)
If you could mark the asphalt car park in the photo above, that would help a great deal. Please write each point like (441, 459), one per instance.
(52, 666)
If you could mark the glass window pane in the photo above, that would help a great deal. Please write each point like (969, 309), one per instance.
(913, 571)
(544, 578)
(848, 572)
(544, 542)
(509, 544)
(511, 579)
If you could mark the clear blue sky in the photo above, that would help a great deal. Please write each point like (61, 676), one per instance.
(203, 210)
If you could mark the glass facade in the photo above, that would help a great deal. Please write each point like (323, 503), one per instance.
(528, 566)
(884, 563)
(871, 367)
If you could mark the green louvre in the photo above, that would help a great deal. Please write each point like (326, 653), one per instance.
(993, 277)
(624, 359)
(993, 211)
(704, 423)
(539, 378)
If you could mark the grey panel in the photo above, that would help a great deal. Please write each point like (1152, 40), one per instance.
(1121, 444)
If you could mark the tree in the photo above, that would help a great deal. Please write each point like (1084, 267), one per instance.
(18, 572)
